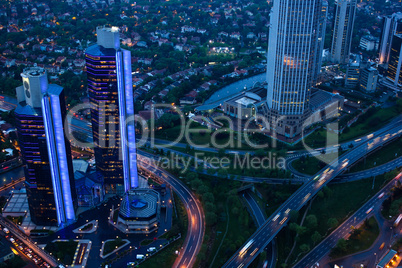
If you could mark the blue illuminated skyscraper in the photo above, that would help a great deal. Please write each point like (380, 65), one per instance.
(47, 154)
(110, 92)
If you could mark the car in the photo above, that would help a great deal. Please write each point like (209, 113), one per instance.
(369, 210)
(140, 257)
(151, 249)
(276, 217)
(29, 255)
(246, 248)
(283, 220)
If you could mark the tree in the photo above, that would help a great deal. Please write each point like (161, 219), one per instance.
(211, 218)
(305, 248)
(293, 215)
(311, 221)
(316, 237)
(332, 223)
(355, 233)
(195, 184)
(342, 245)
(208, 197)
(320, 194)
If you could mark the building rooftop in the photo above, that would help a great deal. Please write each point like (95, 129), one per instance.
(139, 204)
(390, 255)
(17, 204)
(5, 247)
(80, 165)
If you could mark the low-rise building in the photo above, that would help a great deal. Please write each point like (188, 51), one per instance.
(368, 79)
(369, 43)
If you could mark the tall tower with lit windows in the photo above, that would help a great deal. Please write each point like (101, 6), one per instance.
(110, 92)
(345, 11)
(46, 152)
(294, 59)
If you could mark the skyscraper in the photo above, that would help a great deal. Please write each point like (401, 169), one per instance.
(49, 176)
(294, 57)
(392, 25)
(394, 72)
(345, 11)
(112, 109)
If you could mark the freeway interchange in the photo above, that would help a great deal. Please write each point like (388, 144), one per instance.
(264, 235)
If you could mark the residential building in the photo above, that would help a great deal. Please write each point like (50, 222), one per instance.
(111, 96)
(345, 11)
(294, 57)
(45, 149)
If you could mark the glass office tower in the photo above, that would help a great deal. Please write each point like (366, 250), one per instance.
(392, 25)
(345, 11)
(294, 59)
(47, 154)
(394, 72)
(112, 109)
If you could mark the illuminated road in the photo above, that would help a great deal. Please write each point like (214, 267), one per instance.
(261, 238)
(196, 219)
(27, 241)
(345, 228)
(11, 184)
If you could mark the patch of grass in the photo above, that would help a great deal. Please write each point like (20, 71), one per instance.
(146, 242)
(274, 195)
(63, 250)
(310, 165)
(374, 119)
(334, 203)
(380, 157)
(16, 220)
(240, 227)
(165, 257)
(360, 239)
(369, 122)
(115, 215)
(392, 205)
(87, 227)
(112, 245)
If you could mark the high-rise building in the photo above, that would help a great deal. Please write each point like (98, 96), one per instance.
(112, 109)
(294, 57)
(46, 152)
(394, 72)
(392, 25)
(345, 11)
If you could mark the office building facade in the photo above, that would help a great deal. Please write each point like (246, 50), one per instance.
(112, 109)
(294, 58)
(394, 72)
(345, 11)
(392, 25)
(46, 152)
(369, 79)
